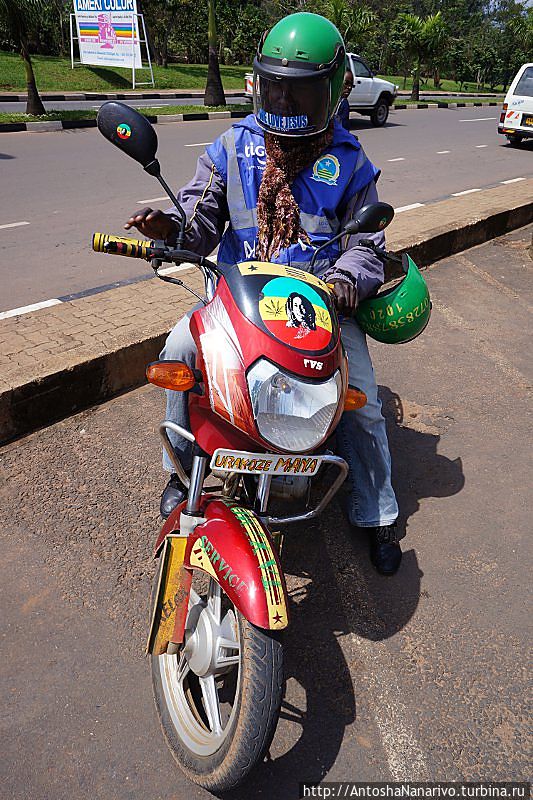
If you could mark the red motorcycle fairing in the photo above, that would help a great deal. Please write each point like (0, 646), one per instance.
(235, 548)
(228, 343)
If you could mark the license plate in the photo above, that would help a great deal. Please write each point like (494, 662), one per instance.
(527, 120)
(264, 463)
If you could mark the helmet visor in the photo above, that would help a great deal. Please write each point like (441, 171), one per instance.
(292, 106)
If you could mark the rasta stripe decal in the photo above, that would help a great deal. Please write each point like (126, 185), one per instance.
(270, 575)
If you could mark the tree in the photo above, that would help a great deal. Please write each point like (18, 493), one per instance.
(161, 16)
(19, 17)
(214, 91)
(422, 40)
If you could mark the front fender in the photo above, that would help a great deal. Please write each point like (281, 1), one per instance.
(235, 548)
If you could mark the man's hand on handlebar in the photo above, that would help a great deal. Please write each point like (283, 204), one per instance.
(154, 224)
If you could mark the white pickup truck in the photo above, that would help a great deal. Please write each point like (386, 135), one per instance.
(370, 96)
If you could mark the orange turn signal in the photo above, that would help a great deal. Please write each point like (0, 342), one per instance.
(171, 375)
(354, 399)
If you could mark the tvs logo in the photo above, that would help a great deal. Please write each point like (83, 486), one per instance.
(123, 130)
(308, 362)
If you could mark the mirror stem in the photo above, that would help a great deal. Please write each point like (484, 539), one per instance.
(154, 169)
(326, 244)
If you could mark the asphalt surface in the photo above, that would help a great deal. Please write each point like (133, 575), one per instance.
(419, 676)
(68, 184)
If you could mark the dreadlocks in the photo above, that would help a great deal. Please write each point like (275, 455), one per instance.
(278, 215)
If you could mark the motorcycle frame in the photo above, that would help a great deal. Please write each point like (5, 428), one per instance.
(261, 599)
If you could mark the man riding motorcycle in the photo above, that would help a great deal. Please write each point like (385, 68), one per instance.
(286, 179)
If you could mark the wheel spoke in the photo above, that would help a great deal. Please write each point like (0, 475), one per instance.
(194, 598)
(183, 667)
(211, 704)
(226, 659)
(214, 600)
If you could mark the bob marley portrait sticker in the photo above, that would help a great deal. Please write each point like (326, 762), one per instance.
(295, 314)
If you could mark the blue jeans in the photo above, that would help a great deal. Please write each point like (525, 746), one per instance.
(361, 434)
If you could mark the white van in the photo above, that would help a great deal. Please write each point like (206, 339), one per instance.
(516, 119)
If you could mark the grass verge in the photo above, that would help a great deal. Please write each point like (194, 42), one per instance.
(54, 74)
(90, 114)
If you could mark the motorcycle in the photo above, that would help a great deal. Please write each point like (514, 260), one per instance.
(267, 391)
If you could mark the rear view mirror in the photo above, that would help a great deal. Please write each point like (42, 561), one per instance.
(128, 130)
(372, 218)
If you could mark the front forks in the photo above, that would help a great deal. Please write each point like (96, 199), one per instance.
(199, 465)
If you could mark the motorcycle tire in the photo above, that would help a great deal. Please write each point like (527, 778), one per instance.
(219, 763)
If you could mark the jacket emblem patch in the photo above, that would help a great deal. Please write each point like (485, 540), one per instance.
(326, 170)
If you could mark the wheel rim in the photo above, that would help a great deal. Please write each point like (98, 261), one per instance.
(201, 683)
(381, 113)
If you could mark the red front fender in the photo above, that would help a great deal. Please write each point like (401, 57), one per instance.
(236, 549)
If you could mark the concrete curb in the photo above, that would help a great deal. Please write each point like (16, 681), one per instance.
(58, 125)
(74, 381)
(73, 96)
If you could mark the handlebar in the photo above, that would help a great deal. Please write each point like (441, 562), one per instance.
(124, 246)
(154, 251)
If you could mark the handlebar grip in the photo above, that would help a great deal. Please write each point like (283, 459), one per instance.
(123, 246)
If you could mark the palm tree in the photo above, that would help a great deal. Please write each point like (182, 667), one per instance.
(423, 40)
(214, 91)
(19, 16)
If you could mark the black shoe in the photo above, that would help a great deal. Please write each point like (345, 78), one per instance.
(173, 493)
(385, 550)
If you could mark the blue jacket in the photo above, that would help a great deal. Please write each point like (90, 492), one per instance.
(322, 191)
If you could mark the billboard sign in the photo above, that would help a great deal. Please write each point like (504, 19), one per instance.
(108, 33)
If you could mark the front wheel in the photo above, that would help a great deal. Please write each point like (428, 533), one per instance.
(218, 699)
(380, 113)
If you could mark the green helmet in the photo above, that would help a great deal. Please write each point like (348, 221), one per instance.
(398, 314)
(298, 75)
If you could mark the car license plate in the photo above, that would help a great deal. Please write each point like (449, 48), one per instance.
(527, 120)
(264, 463)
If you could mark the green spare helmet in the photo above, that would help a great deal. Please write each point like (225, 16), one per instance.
(298, 75)
(398, 314)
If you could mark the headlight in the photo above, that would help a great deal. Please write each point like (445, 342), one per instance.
(291, 414)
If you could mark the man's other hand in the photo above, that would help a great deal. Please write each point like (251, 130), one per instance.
(153, 224)
(345, 297)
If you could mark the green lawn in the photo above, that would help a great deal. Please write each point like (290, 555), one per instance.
(446, 85)
(55, 75)
(90, 114)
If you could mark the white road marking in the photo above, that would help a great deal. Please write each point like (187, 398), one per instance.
(481, 145)
(514, 180)
(197, 144)
(172, 270)
(443, 152)
(478, 119)
(408, 208)
(396, 159)
(466, 191)
(13, 225)
(152, 200)
(14, 312)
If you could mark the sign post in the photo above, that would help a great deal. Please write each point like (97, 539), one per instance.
(108, 35)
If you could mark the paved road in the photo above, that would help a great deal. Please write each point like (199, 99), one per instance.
(420, 676)
(68, 184)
